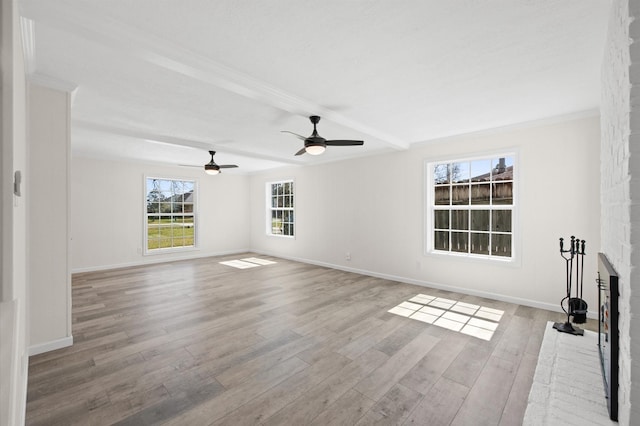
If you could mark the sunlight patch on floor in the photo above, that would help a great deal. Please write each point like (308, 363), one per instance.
(246, 263)
(259, 261)
(467, 318)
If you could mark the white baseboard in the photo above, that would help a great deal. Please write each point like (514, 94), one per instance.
(50, 346)
(472, 292)
(149, 260)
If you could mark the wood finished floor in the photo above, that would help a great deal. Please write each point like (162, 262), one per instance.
(199, 343)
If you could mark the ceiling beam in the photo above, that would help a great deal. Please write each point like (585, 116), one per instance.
(170, 140)
(167, 55)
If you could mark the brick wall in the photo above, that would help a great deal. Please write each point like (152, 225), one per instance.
(634, 213)
(620, 188)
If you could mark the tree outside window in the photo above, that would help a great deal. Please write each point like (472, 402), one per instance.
(170, 218)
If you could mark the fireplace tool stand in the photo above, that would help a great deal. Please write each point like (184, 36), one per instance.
(576, 306)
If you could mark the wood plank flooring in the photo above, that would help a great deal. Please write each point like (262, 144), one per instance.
(199, 343)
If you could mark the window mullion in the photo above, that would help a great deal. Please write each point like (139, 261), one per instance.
(170, 195)
(484, 179)
(281, 208)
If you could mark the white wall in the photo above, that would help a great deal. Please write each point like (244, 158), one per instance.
(620, 191)
(373, 208)
(108, 204)
(13, 296)
(49, 274)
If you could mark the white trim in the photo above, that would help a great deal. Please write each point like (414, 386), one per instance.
(170, 250)
(429, 284)
(290, 237)
(151, 260)
(50, 346)
(145, 218)
(496, 261)
(68, 242)
(269, 208)
(427, 181)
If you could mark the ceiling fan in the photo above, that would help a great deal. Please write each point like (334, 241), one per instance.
(211, 168)
(316, 144)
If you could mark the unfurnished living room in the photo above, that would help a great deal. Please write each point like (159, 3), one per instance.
(316, 213)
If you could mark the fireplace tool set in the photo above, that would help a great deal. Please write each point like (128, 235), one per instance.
(576, 307)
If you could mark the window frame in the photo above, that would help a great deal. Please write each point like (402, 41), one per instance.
(430, 207)
(145, 227)
(270, 209)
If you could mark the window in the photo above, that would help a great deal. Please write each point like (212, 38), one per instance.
(471, 207)
(280, 212)
(170, 218)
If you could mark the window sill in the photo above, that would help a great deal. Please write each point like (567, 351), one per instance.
(479, 258)
(155, 252)
(289, 237)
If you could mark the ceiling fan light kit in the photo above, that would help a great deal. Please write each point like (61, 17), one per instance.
(316, 144)
(315, 149)
(211, 168)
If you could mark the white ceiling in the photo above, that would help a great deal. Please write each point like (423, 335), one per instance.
(164, 81)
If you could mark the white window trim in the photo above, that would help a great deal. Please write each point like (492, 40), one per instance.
(196, 234)
(429, 251)
(267, 197)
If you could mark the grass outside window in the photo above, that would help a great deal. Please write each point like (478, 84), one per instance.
(170, 218)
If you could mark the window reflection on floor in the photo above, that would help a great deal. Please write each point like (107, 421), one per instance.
(474, 320)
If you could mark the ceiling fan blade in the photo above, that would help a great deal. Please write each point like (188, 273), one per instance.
(302, 151)
(188, 165)
(294, 134)
(227, 166)
(344, 143)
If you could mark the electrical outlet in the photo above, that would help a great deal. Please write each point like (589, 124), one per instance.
(347, 256)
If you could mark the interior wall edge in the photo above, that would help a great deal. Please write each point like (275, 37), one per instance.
(13, 222)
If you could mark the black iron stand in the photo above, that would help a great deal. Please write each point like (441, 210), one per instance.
(576, 306)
